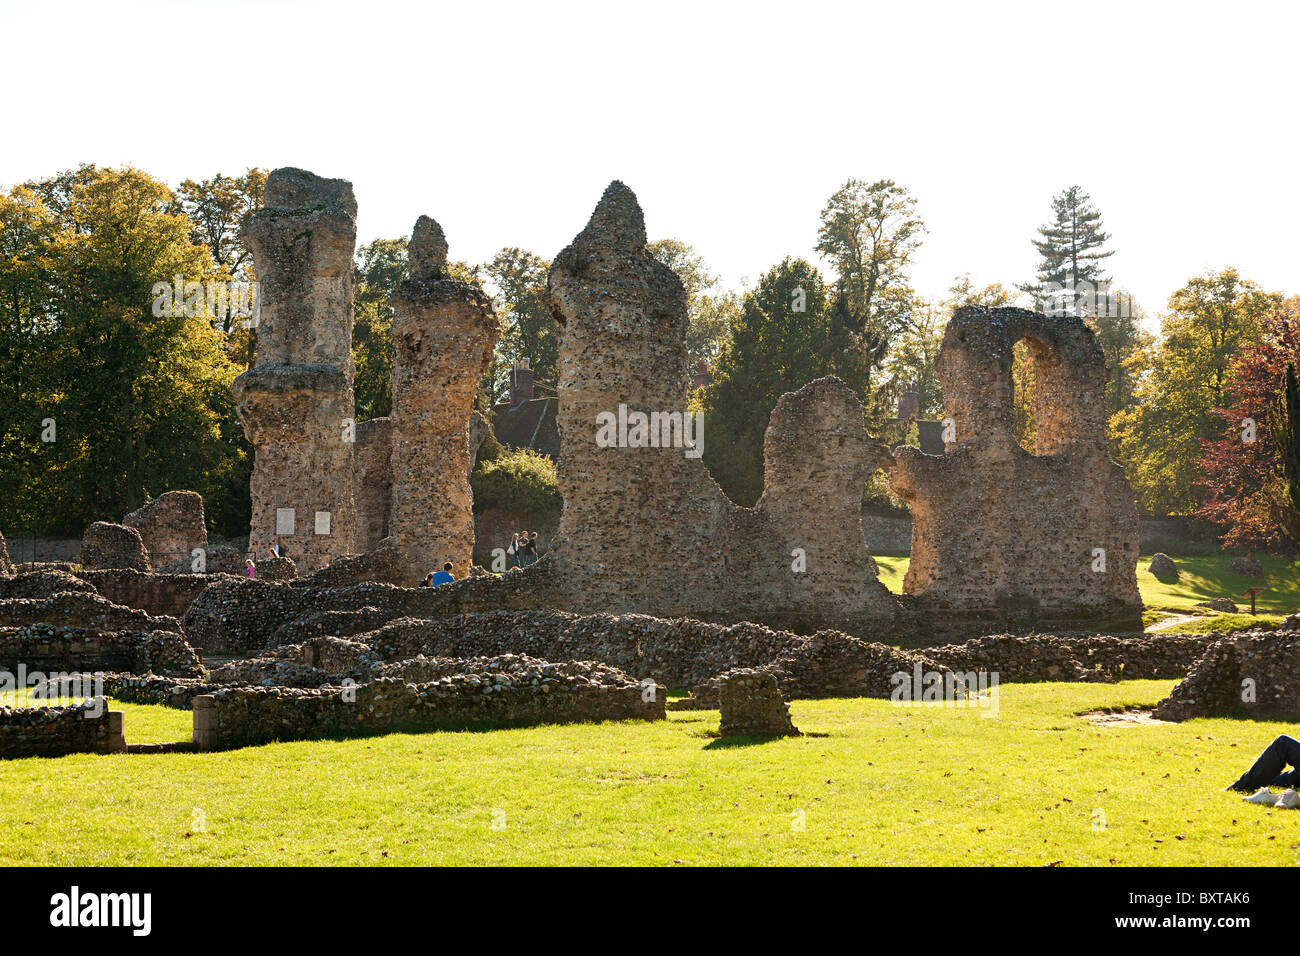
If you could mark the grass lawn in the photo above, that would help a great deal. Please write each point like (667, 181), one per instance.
(1199, 580)
(872, 783)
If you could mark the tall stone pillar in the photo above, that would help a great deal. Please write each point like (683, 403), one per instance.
(443, 335)
(296, 403)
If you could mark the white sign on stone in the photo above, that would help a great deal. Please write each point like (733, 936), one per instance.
(284, 518)
(322, 522)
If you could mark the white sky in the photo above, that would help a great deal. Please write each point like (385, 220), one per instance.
(732, 122)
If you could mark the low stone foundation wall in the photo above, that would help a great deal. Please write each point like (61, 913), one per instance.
(1255, 674)
(81, 609)
(1095, 657)
(156, 594)
(239, 716)
(751, 706)
(54, 731)
(50, 649)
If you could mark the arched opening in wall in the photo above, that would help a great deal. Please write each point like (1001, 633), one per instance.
(1024, 379)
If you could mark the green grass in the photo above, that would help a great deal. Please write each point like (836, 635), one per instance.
(1224, 623)
(874, 783)
(1199, 580)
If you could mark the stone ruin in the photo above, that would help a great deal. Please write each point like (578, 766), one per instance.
(1254, 674)
(172, 527)
(296, 403)
(106, 545)
(443, 335)
(751, 706)
(644, 527)
(999, 533)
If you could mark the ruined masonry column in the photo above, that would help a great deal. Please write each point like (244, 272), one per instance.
(443, 335)
(296, 403)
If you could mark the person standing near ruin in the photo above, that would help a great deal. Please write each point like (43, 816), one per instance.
(428, 580)
(441, 577)
(512, 553)
(530, 549)
(252, 568)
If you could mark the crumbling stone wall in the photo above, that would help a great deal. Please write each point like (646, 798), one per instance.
(443, 335)
(6, 566)
(1257, 674)
(107, 545)
(296, 404)
(645, 528)
(171, 526)
(42, 583)
(89, 727)
(1004, 534)
(156, 594)
(372, 457)
(751, 706)
(522, 694)
(50, 648)
(81, 609)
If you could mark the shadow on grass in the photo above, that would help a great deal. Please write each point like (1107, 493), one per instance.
(724, 743)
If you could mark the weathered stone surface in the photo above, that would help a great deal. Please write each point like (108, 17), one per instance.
(1000, 532)
(296, 404)
(372, 482)
(496, 692)
(443, 335)
(1250, 567)
(171, 526)
(6, 567)
(623, 324)
(88, 727)
(106, 545)
(222, 559)
(155, 593)
(1162, 566)
(41, 584)
(1222, 605)
(62, 649)
(1254, 673)
(479, 429)
(276, 569)
(751, 706)
(81, 609)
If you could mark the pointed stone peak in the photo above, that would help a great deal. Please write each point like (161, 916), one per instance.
(427, 250)
(618, 220)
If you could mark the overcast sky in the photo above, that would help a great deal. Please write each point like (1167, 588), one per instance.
(732, 122)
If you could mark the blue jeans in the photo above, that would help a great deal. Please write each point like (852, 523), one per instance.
(1267, 769)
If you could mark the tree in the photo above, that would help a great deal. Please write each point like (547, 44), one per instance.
(380, 266)
(1071, 251)
(530, 330)
(786, 335)
(1250, 471)
(1157, 439)
(869, 233)
(138, 396)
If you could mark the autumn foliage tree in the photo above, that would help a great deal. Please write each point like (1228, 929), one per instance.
(1245, 473)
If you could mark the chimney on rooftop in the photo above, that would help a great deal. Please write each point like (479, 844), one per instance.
(521, 383)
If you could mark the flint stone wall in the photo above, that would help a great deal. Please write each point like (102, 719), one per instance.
(1002, 533)
(623, 322)
(6, 566)
(372, 482)
(240, 716)
(50, 649)
(81, 609)
(108, 545)
(156, 594)
(171, 526)
(1215, 686)
(56, 731)
(297, 402)
(42, 583)
(751, 706)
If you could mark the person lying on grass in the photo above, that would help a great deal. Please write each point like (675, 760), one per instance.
(1267, 772)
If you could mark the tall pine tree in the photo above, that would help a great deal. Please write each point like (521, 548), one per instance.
(1071, 248)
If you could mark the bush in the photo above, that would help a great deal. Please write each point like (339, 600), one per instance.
(522, 481)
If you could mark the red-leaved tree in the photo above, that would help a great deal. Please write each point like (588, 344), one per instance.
(1243, 472)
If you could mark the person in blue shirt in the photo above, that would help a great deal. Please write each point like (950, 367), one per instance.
(441, 577)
